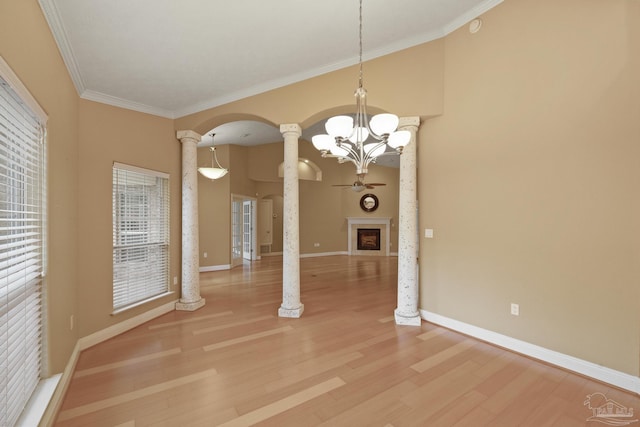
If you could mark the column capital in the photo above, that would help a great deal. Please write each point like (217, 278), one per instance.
(409, 122)
(188, 135)
(292, 127)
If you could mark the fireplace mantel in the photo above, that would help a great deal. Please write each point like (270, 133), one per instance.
(352, 227)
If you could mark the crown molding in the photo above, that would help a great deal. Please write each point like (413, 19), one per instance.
(52, 16)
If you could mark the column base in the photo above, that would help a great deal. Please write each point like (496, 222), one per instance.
(189, 306)
(407, 320)
(291, 312)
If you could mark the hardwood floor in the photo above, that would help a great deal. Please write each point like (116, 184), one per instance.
(343, 363)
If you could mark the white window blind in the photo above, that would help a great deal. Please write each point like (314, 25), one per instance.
(22, 260)
(140, 234)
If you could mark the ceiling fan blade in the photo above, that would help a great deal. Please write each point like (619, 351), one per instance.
(375, 183)
(342, 185)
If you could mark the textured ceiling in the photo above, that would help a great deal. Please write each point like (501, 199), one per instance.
(176, 57)
(171, 58)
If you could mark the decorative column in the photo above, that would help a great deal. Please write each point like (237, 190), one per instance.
(190, 298)
(407, 311)
(291, 305)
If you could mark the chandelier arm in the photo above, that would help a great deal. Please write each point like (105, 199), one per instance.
(347, 147)
(353, 145)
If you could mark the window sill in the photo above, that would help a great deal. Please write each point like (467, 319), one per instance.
(32, 414)
(139, 303)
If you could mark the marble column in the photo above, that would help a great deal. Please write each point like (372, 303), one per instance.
(291, 305)
(190, 299)
(407, 311)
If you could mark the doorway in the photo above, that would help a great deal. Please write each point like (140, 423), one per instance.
(243, 230)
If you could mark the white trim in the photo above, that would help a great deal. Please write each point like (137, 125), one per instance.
(114, 101)
(589, 369)
(472, 14)
(323, 254)
(85, 342)
(140, 170)
(6, 72)
(33, 413)
(50, 12)
(215, 268)
(272, 254)
(56, 400)
(139, 303)
(119, 328)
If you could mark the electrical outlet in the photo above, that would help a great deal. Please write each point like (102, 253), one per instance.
(71, 321)
(175, 280)
(205, 254)
(316, 245)
(515, 309)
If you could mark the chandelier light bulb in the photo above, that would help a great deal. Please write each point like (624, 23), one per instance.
(339, 126)
(375, 149)
(399, 138)
(339, 151)
(384, 124)
(359, 134)
(323, 142)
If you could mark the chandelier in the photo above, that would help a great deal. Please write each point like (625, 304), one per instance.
(347, 137)
(213, 172)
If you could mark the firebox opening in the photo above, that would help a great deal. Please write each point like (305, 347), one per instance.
(368, 239)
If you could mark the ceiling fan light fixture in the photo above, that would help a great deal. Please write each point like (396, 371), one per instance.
(358, 187)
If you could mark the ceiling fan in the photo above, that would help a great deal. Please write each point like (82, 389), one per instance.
(360, 185)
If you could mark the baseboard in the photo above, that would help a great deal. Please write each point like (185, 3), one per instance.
(583, 367)
(272, 254)
(323, 254)
(117, 329)
(215, 268)
(90, 340)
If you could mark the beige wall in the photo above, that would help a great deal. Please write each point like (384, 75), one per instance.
(530, 179)
(214, 210)
(109, 134)
(27, 46)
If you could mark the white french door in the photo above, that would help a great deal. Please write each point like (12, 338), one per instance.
(243, 226)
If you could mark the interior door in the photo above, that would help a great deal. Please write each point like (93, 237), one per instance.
(247, 230)
(236, 231)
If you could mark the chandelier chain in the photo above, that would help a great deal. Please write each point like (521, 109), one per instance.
(360, 79)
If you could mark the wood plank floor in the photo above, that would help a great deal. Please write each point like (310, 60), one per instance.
(343, 363)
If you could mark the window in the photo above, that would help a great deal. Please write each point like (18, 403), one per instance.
(140, 235)
(22, 244)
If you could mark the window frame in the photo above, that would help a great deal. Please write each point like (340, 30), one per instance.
(140, 236)
(34, 253)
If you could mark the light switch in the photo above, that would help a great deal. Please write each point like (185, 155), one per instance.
(428, 233)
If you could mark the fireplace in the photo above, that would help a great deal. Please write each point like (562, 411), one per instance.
(368, 236)
(368, 239)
